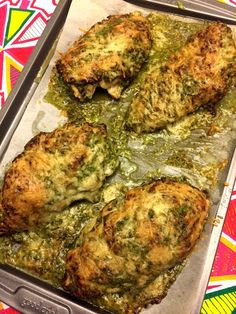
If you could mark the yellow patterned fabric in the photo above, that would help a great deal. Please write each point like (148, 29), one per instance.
(220, 302)
(230, 2)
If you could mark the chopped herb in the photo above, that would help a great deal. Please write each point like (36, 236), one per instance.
(151, 213)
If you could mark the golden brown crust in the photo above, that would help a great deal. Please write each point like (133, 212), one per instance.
(197, 75)
(54, 170)
(149, 231)
(109, 55)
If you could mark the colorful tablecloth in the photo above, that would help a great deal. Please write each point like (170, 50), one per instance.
(21, 24)
(221, 292)
(230, 2)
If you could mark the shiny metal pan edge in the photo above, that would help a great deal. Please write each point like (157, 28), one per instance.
(210, 10)
(30, 295)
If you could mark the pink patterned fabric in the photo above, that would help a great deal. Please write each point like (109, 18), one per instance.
(21, 24)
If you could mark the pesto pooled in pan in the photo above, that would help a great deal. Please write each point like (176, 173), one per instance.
(55, 169)
(196, 75)
(148, 231)
(109, 56)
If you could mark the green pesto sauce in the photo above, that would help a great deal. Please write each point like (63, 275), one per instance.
(42, 253)
(194, 149)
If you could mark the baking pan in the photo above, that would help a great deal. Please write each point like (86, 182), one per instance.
(30, 295)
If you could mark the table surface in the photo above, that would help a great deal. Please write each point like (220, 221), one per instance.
(21, 24)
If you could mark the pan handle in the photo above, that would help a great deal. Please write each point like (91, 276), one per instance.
(29, 295)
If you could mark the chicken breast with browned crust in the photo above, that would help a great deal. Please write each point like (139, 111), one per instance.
(109, 56)
(138, 237)
(54, 170)
(196, 75)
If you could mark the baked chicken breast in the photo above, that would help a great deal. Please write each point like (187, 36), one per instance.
(55, 169)
(109, 55)
(196, 75)
(138, 237)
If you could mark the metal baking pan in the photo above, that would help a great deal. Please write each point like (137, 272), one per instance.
(30, 295)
